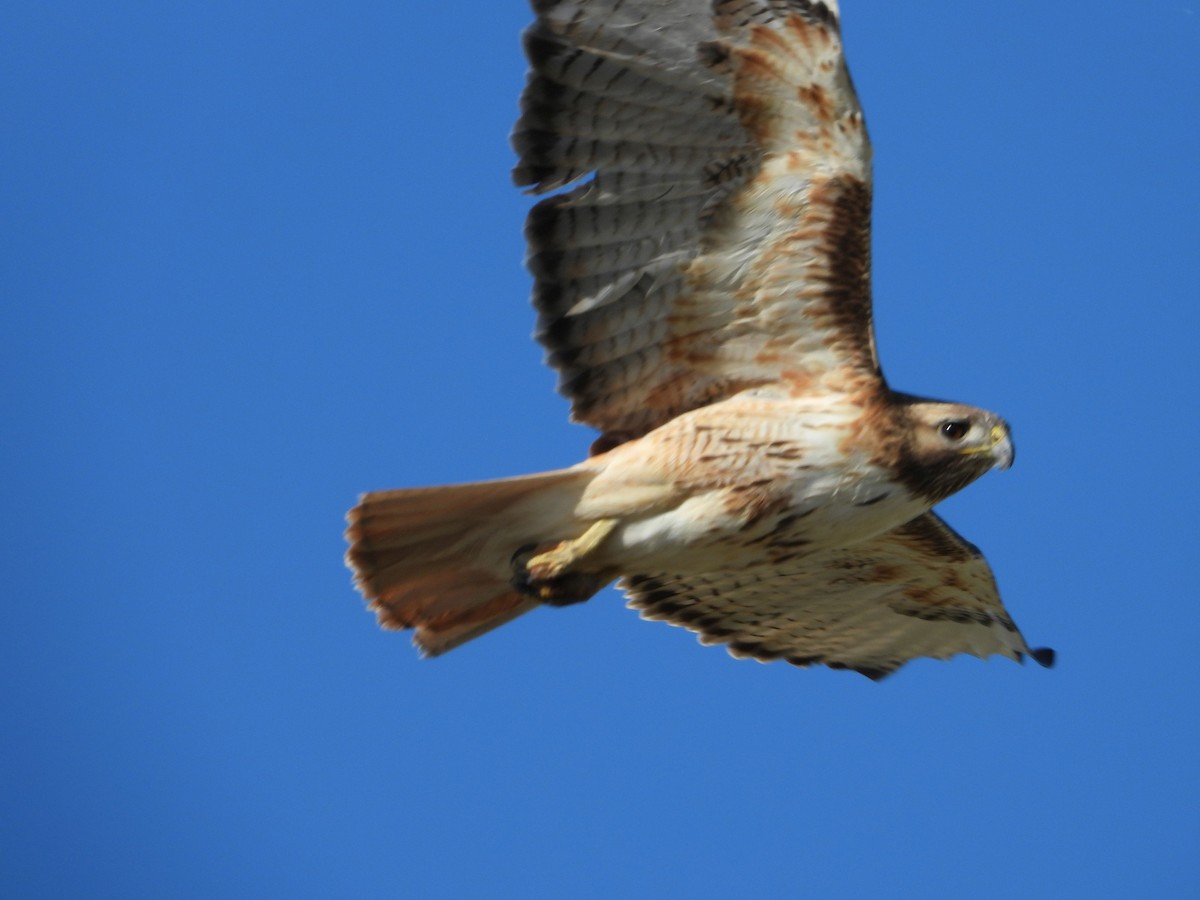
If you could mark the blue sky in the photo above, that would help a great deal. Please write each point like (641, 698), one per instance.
(259, 257)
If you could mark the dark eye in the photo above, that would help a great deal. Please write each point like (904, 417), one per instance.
(955, 429)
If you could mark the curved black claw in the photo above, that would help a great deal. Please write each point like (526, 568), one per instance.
(519, 561)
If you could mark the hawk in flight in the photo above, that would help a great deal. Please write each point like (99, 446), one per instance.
(702, 283)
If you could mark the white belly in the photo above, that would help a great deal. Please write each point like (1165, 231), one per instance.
(821, 512)
(723, 479)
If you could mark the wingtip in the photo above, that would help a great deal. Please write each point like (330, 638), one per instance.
(1044, 657)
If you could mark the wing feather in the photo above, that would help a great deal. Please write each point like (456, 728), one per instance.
(919, 590)
(721, 237)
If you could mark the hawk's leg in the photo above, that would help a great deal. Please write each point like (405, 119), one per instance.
(552, 576)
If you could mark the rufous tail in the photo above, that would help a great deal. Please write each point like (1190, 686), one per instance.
(439, 559)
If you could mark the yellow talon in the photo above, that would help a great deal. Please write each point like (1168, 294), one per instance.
(554, 562)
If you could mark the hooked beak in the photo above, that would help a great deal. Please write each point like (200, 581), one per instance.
(1000, 449)
(1003, 450)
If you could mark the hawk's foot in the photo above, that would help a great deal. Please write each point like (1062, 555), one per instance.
(550, 576)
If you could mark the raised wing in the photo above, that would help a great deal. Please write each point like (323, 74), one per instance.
(722, 240)
(919, 590)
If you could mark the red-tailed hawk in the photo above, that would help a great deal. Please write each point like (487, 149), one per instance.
(703, 289)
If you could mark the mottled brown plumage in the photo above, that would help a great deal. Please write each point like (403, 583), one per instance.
(702, 285)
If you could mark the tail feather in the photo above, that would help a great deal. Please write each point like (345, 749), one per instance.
(438, 560)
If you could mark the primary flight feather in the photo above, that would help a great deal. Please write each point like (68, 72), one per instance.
(702, 284)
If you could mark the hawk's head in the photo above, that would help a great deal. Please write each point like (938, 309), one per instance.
(946, 446)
